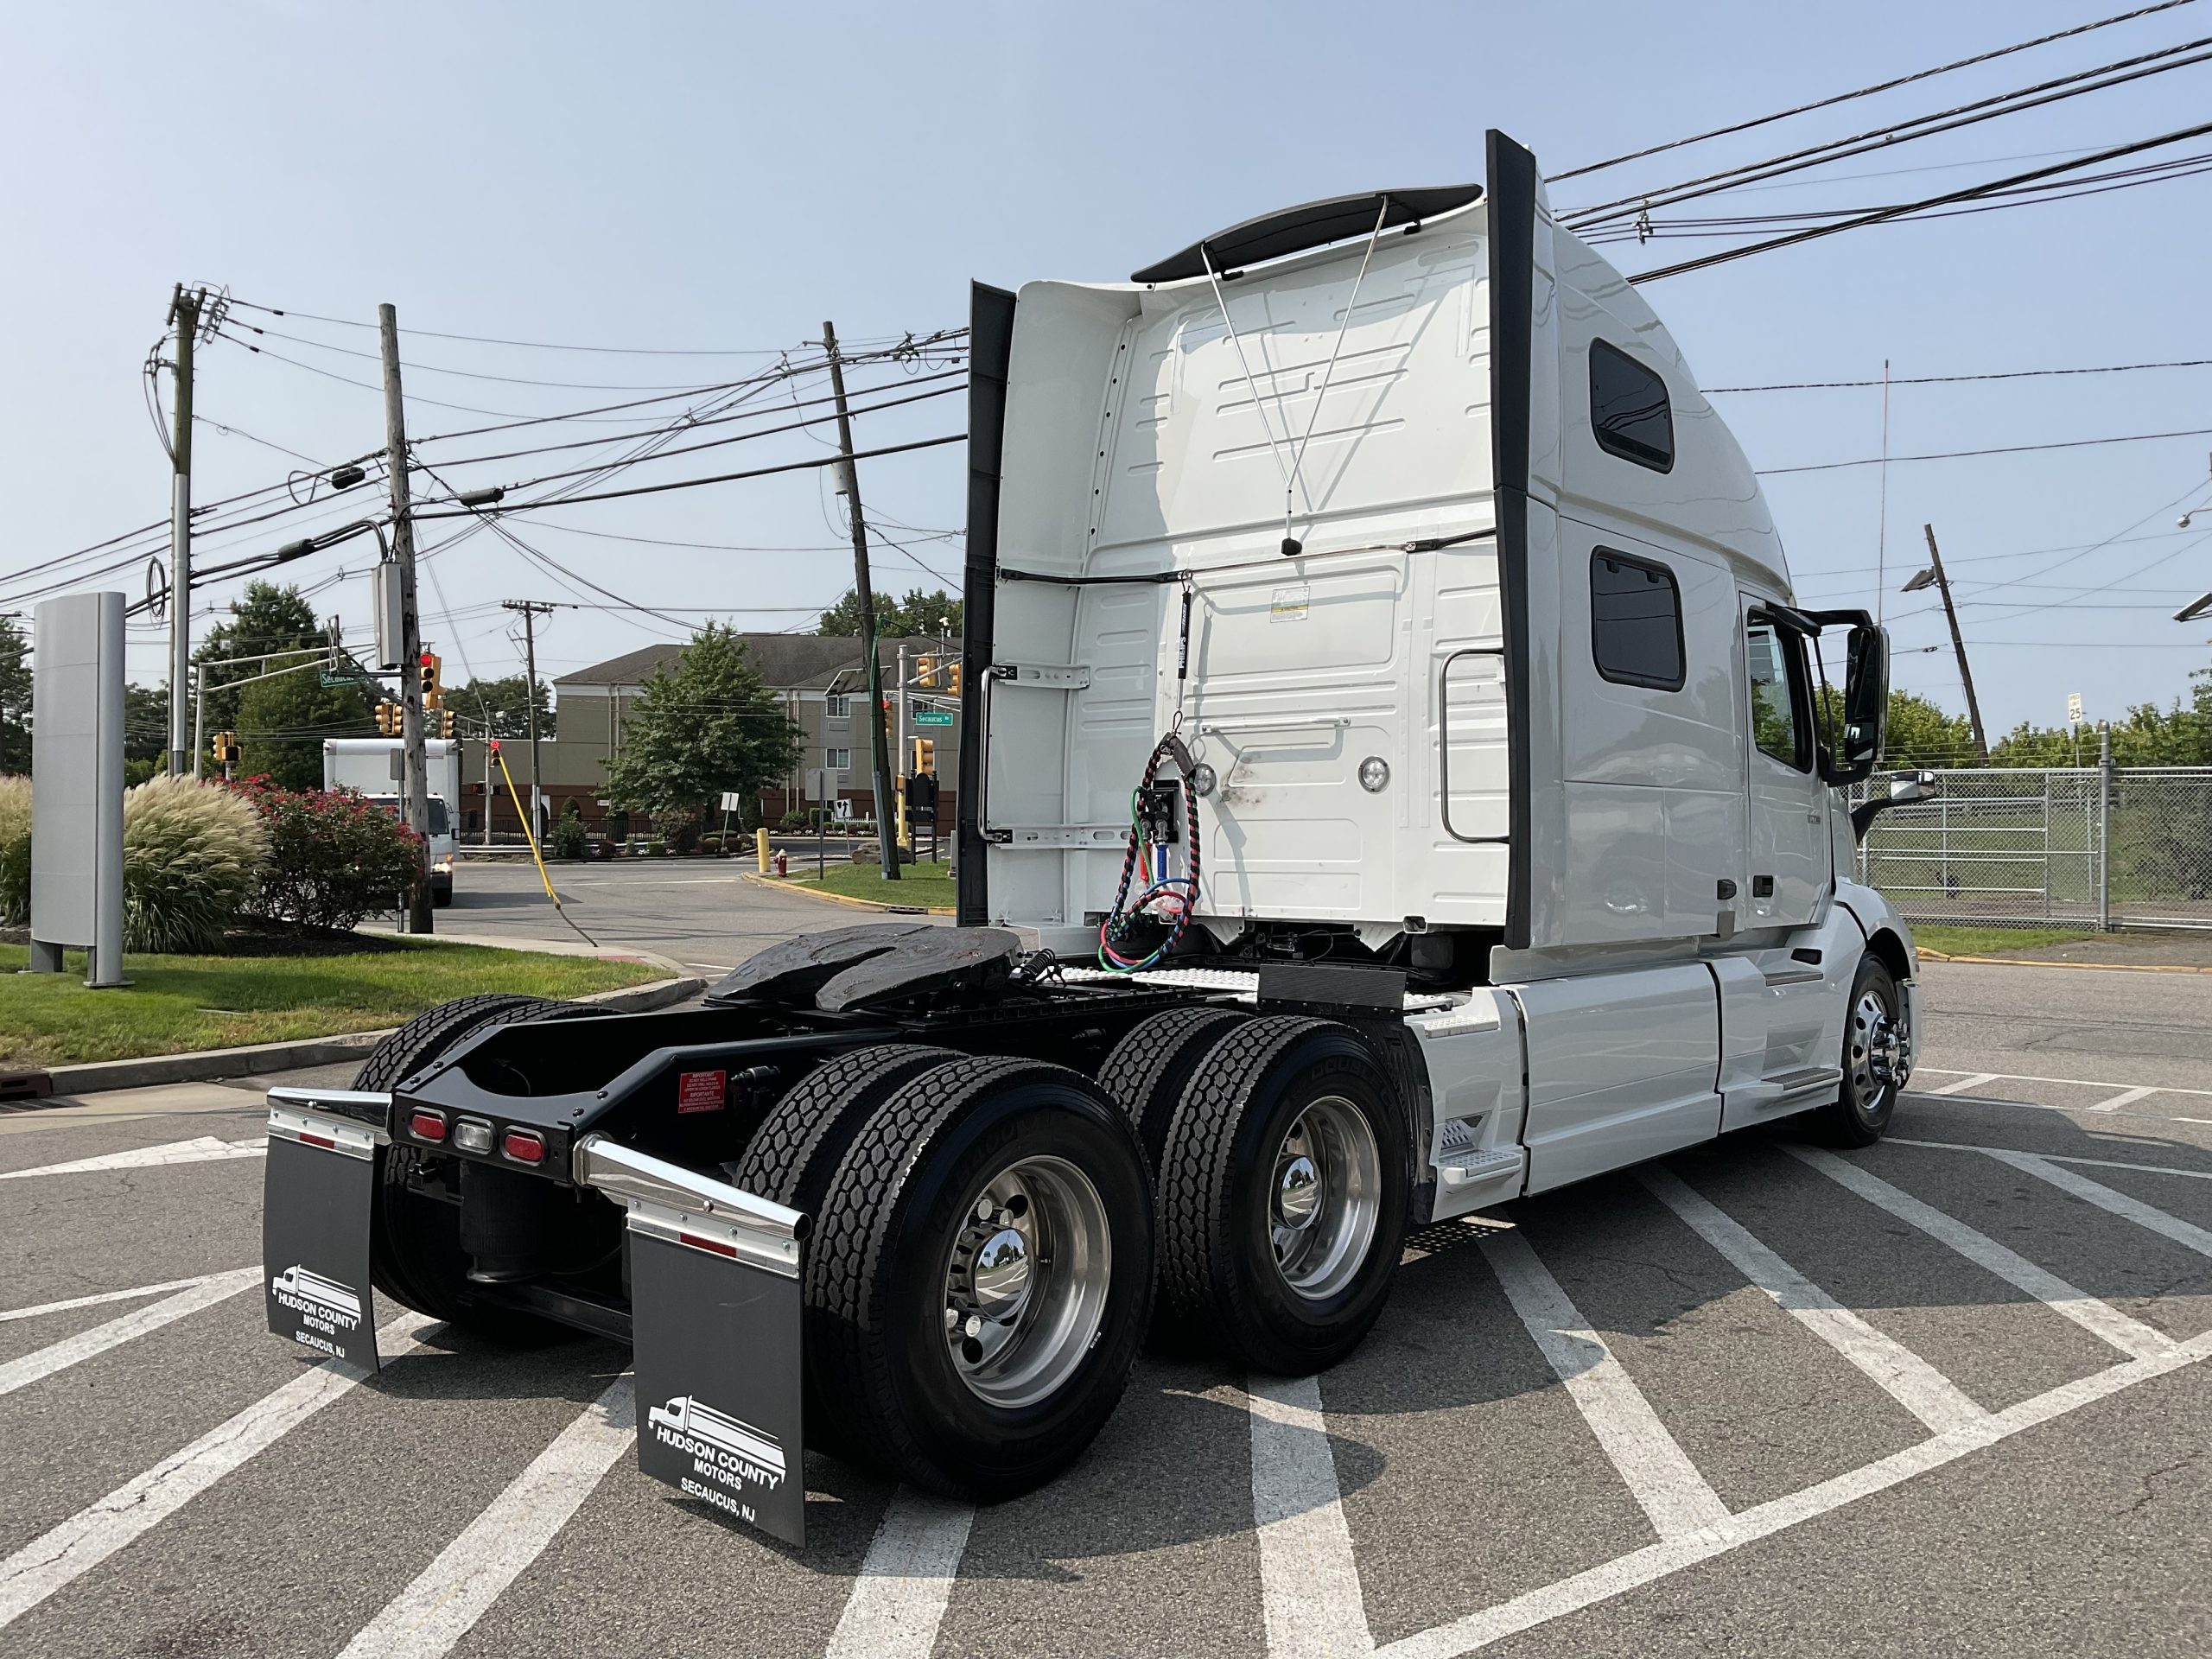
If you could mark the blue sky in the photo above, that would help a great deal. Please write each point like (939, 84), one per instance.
(693, 176)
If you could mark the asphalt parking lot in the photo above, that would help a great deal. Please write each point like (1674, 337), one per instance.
(1944, 1395)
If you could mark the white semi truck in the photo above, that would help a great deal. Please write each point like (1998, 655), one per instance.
(1399, 785)
(369, 766)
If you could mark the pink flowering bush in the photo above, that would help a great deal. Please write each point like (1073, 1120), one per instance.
(333, 858)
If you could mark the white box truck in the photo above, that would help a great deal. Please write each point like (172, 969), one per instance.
(1397, 784)
(370, 766)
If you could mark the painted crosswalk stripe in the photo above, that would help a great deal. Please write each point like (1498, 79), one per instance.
(71, 1351)
(2125, 1097)
(1309, 1579)
(58, 1557)
(1964, 1084)
(424, 1620)
(2099, 1318)
(1658, 1472)
(2186, 1234)
(200, 1149)
(136, 1293)
(900, 1597)
(1903, 1374)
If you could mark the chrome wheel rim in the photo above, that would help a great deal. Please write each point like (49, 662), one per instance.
(1025, 1282)
(1323, 1197)
(1879, 1050)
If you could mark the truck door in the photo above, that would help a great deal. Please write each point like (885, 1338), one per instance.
(1788, 802)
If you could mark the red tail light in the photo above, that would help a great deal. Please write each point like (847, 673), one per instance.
(524, 1145)
(426, 1125)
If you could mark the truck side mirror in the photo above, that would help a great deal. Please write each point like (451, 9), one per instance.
(1866, 705)
(1912, 786)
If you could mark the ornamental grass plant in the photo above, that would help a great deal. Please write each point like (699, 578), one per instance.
(193, 853)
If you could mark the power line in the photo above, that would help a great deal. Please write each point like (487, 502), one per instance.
(2001, 449)
(1970, 193)
(1958, 379)
(464, 374)
(1868, 92)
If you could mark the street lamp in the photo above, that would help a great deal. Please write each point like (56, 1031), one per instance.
(1921, 580)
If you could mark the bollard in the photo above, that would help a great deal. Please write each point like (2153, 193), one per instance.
(760, 846)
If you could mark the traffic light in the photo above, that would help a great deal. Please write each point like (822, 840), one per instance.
(227, 749)
(924, 754)
(955, 679)
(926, 668)
(445, 723)
(433, 687)
(389, 720)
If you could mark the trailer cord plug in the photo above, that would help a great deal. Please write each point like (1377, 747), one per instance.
(1165, 900)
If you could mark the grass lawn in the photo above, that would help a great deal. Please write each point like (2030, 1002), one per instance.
(918, 884)
(1990, 941)
(180, 1003)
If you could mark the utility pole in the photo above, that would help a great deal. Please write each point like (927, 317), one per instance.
(531, 610)
(184, 313)
(1958, 646)
(414, 780)
(887, 836)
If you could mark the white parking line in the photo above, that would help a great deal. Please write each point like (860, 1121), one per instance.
(1309, 1579)
(2185, 1233)
(130, 1295)
(72, 1350)
(1972, 1080)
(1659, 1560)
(900, 1597)
(1658, 1472)
(2125, 1097)
(56, 1558)
(1903, 1374)
(2054, 1156)
(2078, 1083)
(2099, 1318)
(202, 1149)
(424, 1620)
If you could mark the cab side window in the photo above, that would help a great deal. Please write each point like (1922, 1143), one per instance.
(1630, 414)
(1636, 621)
(1781, 717)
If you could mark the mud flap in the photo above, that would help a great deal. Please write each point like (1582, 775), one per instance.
(316, 1196)
(714, 1314)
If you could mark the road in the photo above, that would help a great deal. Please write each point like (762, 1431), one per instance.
(1944, 1395)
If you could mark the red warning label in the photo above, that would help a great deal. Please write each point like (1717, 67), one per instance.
(702, 1091)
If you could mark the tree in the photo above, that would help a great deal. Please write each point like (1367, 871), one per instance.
(145, 732)
(1918, 732)
(15, 699)
(265, 617)
(504, 704)
(281, 723)
(709, 726)
(917, 615)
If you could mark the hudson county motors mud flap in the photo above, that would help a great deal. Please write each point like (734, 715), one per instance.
(714, 1318)
(314, 1220)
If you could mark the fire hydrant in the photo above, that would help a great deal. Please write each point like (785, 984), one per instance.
(782, 864)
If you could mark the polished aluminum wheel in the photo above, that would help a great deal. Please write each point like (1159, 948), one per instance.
(1879, 1050)
(1026, 1283)
(1325, 1197)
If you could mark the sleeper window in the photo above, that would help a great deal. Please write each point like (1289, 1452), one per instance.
(1629, 413)
(1779, 726)
(1636, 621)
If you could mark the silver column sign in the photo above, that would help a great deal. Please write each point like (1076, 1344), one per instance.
(77, 807)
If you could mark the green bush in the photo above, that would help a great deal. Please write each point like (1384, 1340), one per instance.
(192, 854)
(791, 821)
(14, 851)
(568, 836)
(333, 858)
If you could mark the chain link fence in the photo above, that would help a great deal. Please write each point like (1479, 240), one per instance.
(2076, 846)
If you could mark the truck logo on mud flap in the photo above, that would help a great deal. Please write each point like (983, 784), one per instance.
(724, 1449)
(324, 1304)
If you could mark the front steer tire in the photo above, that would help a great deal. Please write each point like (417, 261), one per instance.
(415, 1253)
(902, 1257)
(1876, 1043)
(1283, 1195)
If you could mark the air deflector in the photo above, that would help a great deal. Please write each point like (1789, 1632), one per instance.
(1311, 225)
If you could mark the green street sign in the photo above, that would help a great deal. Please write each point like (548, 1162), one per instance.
(328, 678)
(933, 717)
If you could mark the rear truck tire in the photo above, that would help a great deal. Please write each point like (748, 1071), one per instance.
(1283, 1195)
(790, 1158)
(1876, 1050)
(415, 1253)
(979, 1277)
(1150, 1069)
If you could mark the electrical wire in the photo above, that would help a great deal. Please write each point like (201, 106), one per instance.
(2001, 449)
(1868, 92)
(1959, 379)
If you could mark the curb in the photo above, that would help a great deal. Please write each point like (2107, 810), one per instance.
(850, 903)
(205, 1064)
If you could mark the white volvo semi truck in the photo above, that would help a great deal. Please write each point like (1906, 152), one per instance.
(1397, 784)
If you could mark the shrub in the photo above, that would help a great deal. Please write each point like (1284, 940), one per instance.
(14, 851)
(792, 821)
(192, 853)
(569, 836)
(333, 858)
